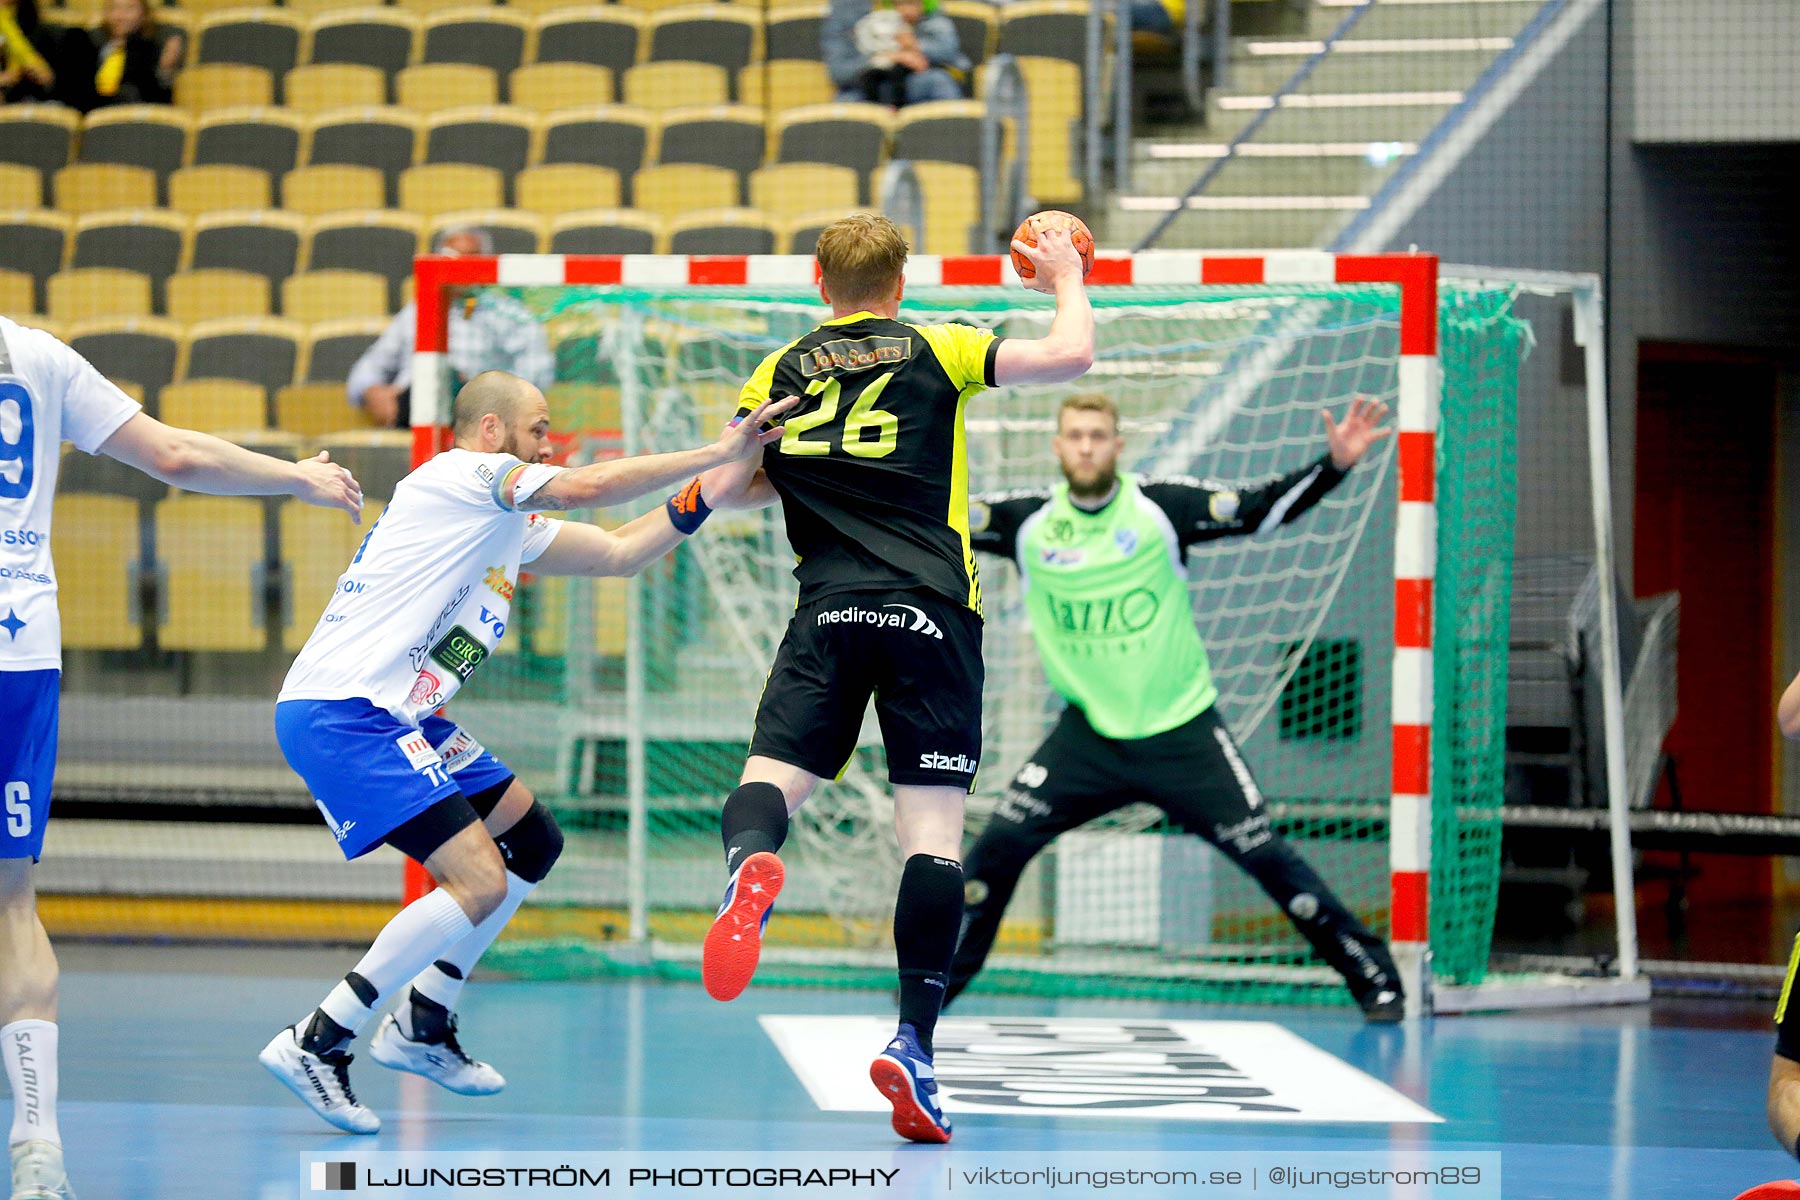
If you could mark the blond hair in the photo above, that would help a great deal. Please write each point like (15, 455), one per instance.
(1098, 402)
(861, 258)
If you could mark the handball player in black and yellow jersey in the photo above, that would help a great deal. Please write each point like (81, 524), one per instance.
(872, 476)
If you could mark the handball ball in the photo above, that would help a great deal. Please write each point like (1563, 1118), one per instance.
(1053, 219)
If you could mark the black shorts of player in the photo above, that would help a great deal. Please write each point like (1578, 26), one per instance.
(916, 653)
(1194, 772)
(420, 837)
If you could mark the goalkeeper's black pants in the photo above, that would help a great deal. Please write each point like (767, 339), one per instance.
(1195, 774)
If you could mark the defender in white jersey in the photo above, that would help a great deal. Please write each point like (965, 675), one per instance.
(50, 394)
(419, 609)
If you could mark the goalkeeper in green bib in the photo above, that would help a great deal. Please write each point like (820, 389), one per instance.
(1101, 560)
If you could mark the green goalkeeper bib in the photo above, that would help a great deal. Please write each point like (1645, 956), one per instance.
(1108, 600)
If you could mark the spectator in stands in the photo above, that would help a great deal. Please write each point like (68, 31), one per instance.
(491, 332)
(895, 53)
(26, 52)
(129, 59)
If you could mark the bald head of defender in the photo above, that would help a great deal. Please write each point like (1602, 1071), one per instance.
(499, 413)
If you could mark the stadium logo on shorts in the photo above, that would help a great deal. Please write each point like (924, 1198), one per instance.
(960, 763)
(919, 623)
(334, 1177)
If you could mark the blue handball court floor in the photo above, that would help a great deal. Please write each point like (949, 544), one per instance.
(162, 1096)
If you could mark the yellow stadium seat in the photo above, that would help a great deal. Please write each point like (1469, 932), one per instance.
(210, 573)
(561, 188)
(21, 186)
(145, 135)
(197, 190)
(788, 189)
(952, 195)
(96, 187)
(317, 545)
(332, 348)
(214, 293)
(315, 7)
(379, 458)
(684, 187)
(266, 138)
(18, 293)
(210, 86)
(434, 87)
(88, 293)
(547, 86)
(784, 83)
(548, 6)
(721, 231)
(329, 295)
(1054, 85)
(976, 20)
(315, 191)
(656, 6)
(606, 231)
(97, 549)
(49, 129)
(214, 405)
(321, 87)
(434, 188)
(314, 409)
(674, 84)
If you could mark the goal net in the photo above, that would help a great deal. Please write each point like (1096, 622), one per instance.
(1360, 651)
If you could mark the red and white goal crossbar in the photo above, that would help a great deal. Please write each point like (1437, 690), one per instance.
(1415, 538)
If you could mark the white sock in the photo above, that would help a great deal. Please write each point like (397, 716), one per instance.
(418, 933)
(446, 989)
(29, 1048)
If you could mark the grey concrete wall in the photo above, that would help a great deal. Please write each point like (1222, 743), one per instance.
(1693, 243)
(1722, 71)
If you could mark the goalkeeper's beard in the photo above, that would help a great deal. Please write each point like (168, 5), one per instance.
(1097, 489)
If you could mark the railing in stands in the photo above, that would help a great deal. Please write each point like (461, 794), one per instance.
(1249, 131)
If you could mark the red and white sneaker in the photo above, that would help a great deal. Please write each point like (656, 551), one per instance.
(734, 943)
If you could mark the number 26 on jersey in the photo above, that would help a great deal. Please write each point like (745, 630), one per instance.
(868, 432)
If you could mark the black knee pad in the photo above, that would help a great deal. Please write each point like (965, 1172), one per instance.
(532, 846)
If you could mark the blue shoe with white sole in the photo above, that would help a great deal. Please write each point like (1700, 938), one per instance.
(905, 1078)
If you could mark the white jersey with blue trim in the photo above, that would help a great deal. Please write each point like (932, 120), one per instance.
(48, 394)
(425, 600)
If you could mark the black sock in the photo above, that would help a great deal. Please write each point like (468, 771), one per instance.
(927, 918)
(323, 1035)
(428, 1020)
(755, 821)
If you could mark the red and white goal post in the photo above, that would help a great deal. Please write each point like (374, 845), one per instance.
(1416, 457)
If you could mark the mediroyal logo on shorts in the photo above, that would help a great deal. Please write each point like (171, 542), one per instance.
(908, 617)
